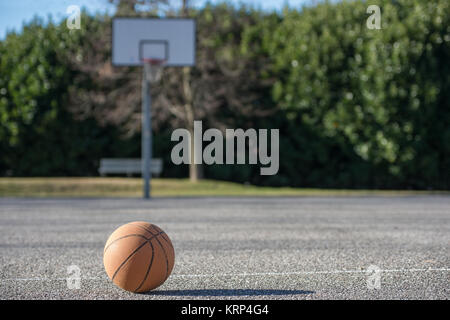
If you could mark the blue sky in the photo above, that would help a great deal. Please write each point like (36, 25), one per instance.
(13, 13)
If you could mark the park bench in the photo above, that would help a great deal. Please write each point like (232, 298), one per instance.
(128, 166)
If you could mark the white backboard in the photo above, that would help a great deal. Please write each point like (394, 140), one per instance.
(171, 39)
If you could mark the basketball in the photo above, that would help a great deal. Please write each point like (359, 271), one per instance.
(138, 256)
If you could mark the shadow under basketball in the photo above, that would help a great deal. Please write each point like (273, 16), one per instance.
(227, 292)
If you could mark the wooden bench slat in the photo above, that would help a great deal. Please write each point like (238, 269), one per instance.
(128, 166)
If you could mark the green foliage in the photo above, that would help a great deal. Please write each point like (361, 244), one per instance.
(380, 97)
(356, 108)
(38, 136)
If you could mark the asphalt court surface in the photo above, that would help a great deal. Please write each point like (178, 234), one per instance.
(235, 248)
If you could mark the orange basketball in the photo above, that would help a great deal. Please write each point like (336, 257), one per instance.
(138, 256)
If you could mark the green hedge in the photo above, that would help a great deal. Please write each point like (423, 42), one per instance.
(356, 108)
(362, 108)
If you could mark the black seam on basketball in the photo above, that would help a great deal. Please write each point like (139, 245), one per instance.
(162, 233)
(165, 255)
(123, 237)
(152, 234)
(125, 261)
(169, 243)
(149, 267)
(138, 225)
(158, 232)
(142, 227)
(164, 250)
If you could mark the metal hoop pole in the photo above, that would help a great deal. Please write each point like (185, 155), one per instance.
(151, 73)
(146, 147)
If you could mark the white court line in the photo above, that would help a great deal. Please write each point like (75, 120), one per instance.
(247, 274)
(49, 279)
(302, 273)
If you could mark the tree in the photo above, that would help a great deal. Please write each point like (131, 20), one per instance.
(376, 91)
(356, 108)
(38, 135)
(222, 88)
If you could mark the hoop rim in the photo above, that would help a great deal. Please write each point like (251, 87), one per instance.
(153, 61)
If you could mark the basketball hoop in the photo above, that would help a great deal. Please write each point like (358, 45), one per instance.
(153, 69)
(151, 43)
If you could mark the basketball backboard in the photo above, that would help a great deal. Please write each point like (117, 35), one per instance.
(136, 39)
